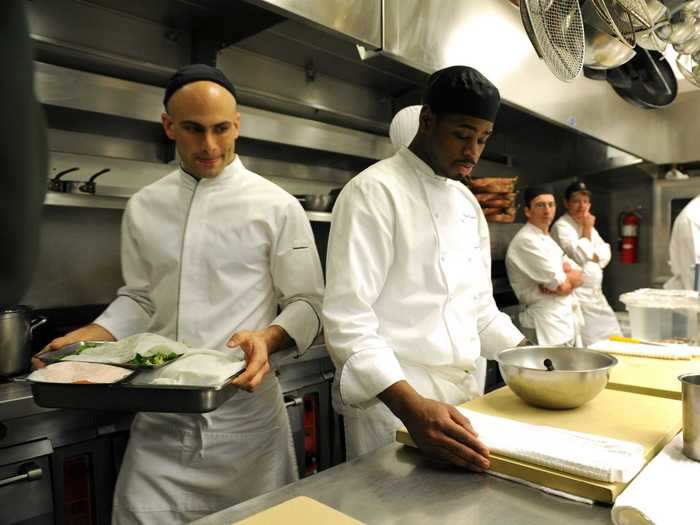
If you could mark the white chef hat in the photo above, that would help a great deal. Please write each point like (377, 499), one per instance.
(404, 126)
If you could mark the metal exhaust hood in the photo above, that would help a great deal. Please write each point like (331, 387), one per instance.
(426, 35)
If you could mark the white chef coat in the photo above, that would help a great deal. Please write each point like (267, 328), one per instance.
(600, 320)
(408, 293)
(202, 260)
(684, 248)
(534, 259)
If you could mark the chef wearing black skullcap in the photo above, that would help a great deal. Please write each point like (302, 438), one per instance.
(210, 255)
(409, 307)
(543, 277)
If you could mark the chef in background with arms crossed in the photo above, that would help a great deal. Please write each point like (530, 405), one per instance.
(209, 253)
(684, 248)
(575, 233)
(542, 276)
(409, 304)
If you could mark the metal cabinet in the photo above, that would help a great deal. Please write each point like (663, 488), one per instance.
(25, 484)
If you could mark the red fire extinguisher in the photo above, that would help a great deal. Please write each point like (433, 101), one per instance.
(629, 233)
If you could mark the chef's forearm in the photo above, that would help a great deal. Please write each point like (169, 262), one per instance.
(401, 398)
(276, 338)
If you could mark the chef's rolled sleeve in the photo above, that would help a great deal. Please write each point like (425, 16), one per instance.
(297, 278)
(366, 374)
(360, 253)
(130, 313)
(498, 334)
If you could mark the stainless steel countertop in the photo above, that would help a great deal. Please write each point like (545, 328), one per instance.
(396, 485)
(16, 400)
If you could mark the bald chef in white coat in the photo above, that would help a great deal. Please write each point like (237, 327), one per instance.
(576, 234)
(542, 276)
(684, 248)
(209, 253)
(408, 305)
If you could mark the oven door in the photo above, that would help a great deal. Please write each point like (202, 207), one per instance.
(25, 483)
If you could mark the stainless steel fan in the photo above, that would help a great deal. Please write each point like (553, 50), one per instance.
(557, 30)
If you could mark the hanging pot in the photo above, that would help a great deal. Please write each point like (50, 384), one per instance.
(16, 327)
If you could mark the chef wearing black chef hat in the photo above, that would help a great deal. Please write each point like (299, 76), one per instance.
(409, 307)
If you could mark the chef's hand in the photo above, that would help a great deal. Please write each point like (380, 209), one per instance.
(91, 332)
(587, 223)
(257, 347)
(438, 429)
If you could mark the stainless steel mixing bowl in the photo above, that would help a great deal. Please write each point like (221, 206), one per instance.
(578, 374)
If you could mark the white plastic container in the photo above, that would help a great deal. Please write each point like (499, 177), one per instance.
(663, 315)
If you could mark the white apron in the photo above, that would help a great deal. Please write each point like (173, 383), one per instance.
(199, 464)
(600, 320)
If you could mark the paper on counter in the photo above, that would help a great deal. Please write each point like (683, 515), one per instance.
(586, 455)
(664, 493)
(671, 351)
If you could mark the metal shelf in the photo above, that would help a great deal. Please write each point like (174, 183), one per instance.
(84, 201)
(119, 203)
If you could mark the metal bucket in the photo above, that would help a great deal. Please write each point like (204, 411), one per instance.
(16, 327)
(691, 415)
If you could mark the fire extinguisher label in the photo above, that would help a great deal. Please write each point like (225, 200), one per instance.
(629, 230)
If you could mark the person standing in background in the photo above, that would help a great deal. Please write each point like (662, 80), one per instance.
(576, 234)
(684, 248)
(542, 276)
(23, 156)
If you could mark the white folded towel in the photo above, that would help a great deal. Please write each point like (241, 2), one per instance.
(664, 493)
(198, 367)
(585, 455)
(670, 351)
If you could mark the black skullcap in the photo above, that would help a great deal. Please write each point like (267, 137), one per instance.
(194, 73)
(536, 191)
(576, 187)
(462, 89)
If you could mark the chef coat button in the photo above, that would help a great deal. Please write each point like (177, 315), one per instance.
(437, 215)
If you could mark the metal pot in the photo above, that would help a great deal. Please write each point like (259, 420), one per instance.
(16, 327)
(691, 415)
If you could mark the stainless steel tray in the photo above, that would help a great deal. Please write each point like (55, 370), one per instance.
(55, 356)
(127, 397)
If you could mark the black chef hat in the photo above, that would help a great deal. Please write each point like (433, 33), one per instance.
(576, 187)
(462, 89)
(194, 73)
(536, 191)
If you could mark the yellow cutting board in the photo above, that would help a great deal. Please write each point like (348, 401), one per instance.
(647, 420)
(654, 377)
(300, 511)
